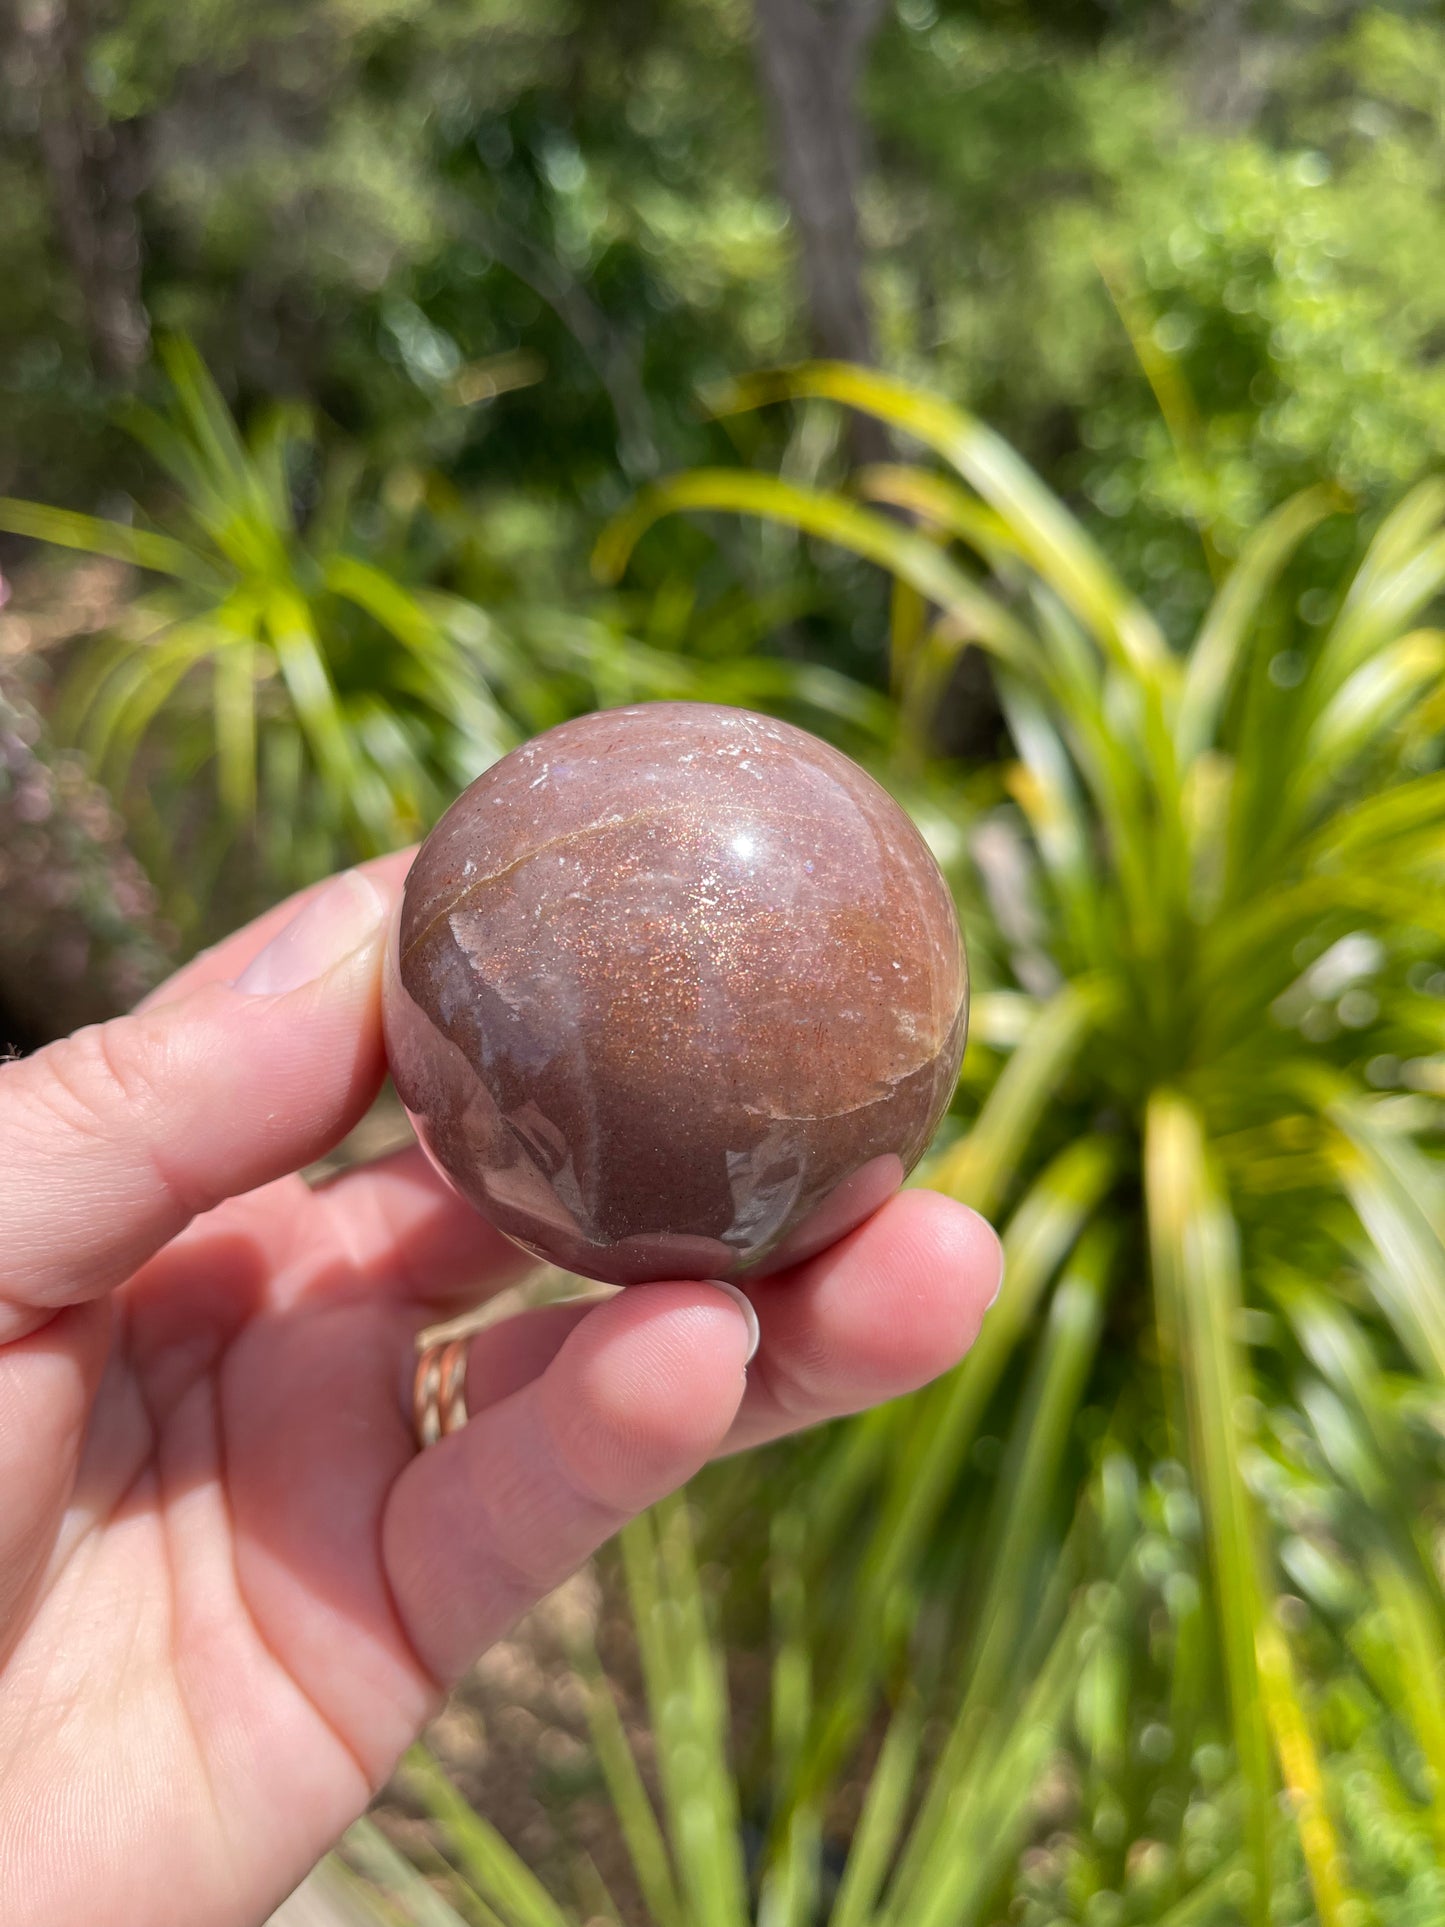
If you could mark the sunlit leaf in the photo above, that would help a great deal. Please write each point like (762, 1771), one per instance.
(1233, 616)
(1194, 1247)
(1298, 1755)
(646, 1845)
(418, 1899)
(498, 1873)
(1392, 1187)
(1368, 701)
(141, 549)
(1053, 541)
(880, 1825)
(906, 554)
(979, 1169)
(687, 1700)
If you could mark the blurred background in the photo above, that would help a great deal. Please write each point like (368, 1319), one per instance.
(1043, 400)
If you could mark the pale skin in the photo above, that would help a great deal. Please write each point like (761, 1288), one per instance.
(231, 1589)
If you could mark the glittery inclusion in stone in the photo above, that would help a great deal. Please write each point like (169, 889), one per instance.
(676, 991)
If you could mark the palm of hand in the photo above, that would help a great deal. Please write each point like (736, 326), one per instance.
(230, 1589)
(216, 1612)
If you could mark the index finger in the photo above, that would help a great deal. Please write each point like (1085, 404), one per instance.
(113, 1140)
(224, 961)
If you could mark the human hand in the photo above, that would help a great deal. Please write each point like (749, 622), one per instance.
(231, 1589)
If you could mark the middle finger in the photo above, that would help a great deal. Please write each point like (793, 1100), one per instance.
(891, 1306)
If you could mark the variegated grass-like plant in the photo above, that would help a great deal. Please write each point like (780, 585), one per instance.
(1137, 1616)
(267, 680)
(940, 1816)
(1203, 1102)
(281, 697)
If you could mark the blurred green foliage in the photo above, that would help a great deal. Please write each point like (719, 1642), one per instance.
(80, 935)
(1202, 1098)
(295, 695)
(363, 205)
(1138, 1617)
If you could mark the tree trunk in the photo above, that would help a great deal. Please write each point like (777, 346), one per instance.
(1228, 66)
(93, 170)
(811, 58)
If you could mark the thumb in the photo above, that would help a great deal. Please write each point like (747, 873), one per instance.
(114, 1139)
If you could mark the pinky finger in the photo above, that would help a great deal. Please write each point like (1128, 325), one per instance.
(480, 1526)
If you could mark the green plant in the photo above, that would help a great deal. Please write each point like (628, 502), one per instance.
(337, 709)
(281, 703)
(925, 1822)
(941, 1813)
(1202, 1098)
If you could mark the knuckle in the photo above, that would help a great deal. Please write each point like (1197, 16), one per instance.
(517, 1573)
(95, 1083)
(104, 1089)
(613, 1459)
(590, 1462)
(597, 1486)
(800, 1380)
(527, 1563)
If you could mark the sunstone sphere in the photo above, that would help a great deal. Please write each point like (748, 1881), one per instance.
(675, 991)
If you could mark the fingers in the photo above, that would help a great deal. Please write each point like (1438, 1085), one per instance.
(225, 961)
(111, 1141)
(515, 1351)
(885, 1310)
(889, 1308)
(46, 1384)
(406, 1232)
(582, 1417)
(477, 1528)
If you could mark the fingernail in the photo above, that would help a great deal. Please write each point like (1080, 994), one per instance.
(745, 1306)
(330, 927)
(1002, 1268)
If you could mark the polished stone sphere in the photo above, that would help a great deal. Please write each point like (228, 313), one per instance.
(676, 991)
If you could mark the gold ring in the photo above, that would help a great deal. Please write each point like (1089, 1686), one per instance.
(439, 1390)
